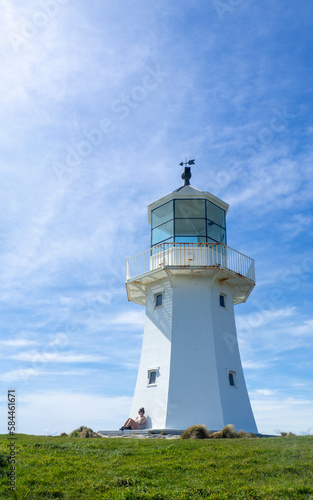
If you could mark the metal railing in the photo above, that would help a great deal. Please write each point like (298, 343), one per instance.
(189, 255)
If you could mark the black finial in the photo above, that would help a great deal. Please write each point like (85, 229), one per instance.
(186, 174)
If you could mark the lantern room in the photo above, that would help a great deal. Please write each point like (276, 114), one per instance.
(188, 215)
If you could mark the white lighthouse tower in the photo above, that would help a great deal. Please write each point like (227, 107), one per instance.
(189, 281)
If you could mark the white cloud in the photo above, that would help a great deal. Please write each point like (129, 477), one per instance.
(255, 364)
(271, 337)
(300, 384)
(21, 374)
(274, 186)
(263, 317)
(296, 224)
(17, 342)
(130, 319)
(263, 392)
(41, 358)
(274, 415)
(306, 329)
(24, 374)
(57, 411)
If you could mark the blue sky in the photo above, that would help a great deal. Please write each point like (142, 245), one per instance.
(100, 102)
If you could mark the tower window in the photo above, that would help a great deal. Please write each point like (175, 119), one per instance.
(232, 379)
(222, 300)
(152, 374)
(158, 299)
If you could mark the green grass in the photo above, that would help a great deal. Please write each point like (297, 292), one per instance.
(131, 469)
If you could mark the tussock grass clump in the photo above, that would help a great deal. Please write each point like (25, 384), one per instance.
(84, 432)
(243, 434)
(228, 432)
(196, 432)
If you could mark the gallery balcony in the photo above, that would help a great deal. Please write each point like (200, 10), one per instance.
(189, 258)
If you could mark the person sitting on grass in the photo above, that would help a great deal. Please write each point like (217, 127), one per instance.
(138, 423)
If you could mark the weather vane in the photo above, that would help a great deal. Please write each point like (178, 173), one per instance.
(186, 175)
(190, 162)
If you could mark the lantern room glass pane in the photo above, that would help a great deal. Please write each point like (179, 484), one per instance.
(190, 239)
(162, 232)
(215, 214)
(190, 226)
(162, 214)
(187, 209)
(161, 246)
(216, 233)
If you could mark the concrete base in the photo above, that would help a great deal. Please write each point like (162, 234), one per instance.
(141, 432)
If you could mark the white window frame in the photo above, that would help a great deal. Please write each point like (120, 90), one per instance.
(152, 370)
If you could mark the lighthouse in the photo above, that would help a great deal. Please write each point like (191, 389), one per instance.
(189, 281)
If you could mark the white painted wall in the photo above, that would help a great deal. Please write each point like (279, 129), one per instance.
(193, 341)
(155, 353)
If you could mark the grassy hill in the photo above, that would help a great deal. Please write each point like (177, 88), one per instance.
(131, 469)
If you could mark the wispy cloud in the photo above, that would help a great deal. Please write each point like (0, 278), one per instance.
(278, 185)
(130, 318)
(26, 373)
(305, 329)
(263, 392)
(17, 342)
(20, 374)
(256, 365)
(263, 317)
(287, 414)
(58, 357)
(89, 137)
(296, 225)
(77, 409)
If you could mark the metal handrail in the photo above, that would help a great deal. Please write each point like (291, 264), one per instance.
(189, 255)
